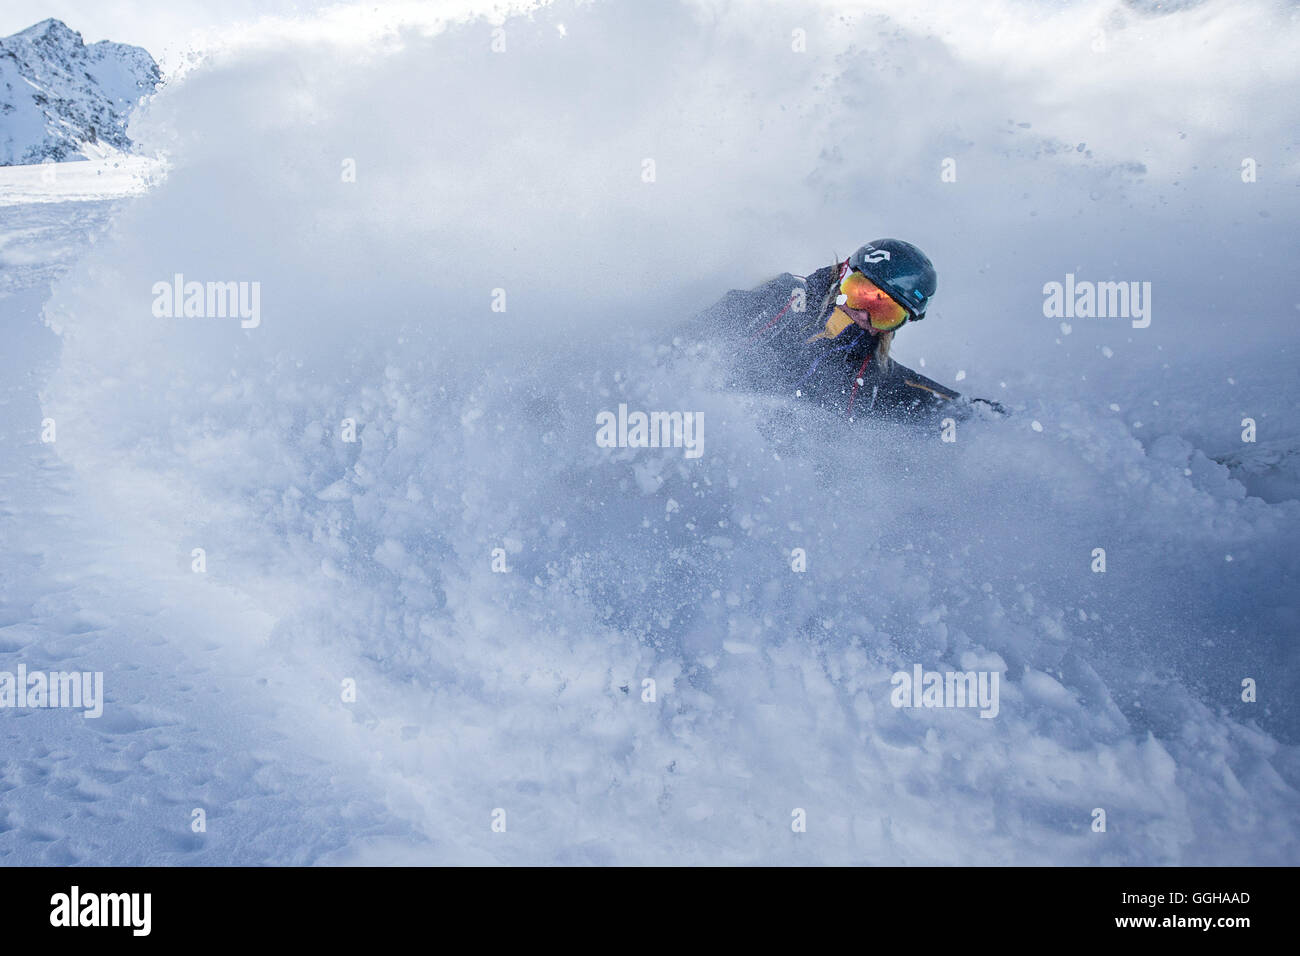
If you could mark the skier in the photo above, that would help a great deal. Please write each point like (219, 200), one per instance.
(826, 337)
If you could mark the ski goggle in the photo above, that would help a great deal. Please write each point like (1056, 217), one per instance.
(859, 292)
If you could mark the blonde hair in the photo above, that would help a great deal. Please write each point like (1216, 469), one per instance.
(884, 340)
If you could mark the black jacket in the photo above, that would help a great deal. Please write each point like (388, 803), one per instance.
(785, 344)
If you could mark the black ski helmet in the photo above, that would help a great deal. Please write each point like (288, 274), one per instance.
(901, 269)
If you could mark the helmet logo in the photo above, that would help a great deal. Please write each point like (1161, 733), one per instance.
(876, 255)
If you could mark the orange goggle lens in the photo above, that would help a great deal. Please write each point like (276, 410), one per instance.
(863, 294)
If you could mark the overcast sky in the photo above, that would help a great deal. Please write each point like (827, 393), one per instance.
(156, 25)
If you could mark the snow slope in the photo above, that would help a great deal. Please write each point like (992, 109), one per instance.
(61, 99)
(524, 171)
(87, 181)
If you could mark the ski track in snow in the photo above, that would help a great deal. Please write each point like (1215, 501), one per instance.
(192, 697)
(371, 561)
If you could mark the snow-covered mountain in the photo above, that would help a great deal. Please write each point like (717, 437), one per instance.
(61, 99)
